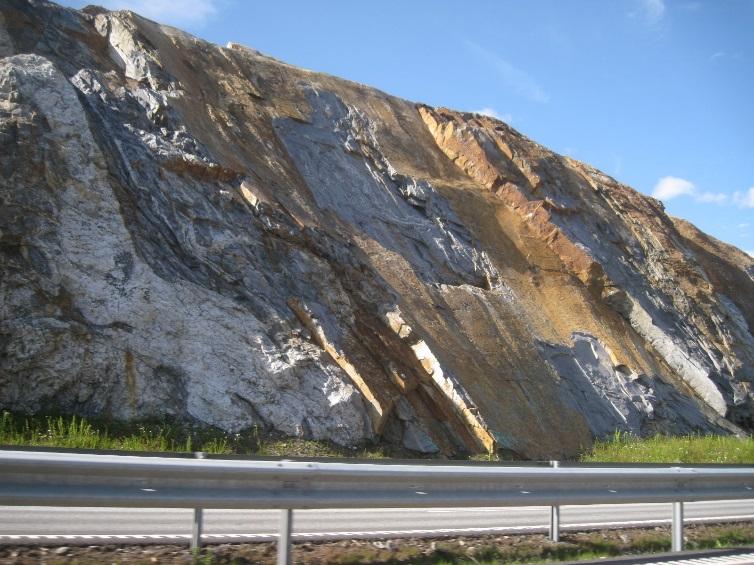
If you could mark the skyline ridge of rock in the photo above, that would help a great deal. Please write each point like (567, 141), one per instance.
(207, 233)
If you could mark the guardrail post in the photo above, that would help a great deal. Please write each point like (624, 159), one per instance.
(555, 514)
(196, 528)
(677, 535)
(284, 537)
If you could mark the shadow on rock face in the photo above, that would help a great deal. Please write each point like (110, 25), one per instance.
(612, 397)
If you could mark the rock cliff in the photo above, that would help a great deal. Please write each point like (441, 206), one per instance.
(208, 233)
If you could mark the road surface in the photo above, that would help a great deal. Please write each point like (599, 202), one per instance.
(101, 525)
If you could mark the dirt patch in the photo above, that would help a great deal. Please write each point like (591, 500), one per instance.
(483, 549)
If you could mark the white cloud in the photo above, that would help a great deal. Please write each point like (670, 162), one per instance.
(744, 199)
(492, 113)
(654, 11)
(517, 79)
(751, 253)
(744, 225)
(668, 188)
(174, 12)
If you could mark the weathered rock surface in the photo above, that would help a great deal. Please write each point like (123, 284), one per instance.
(209, 233)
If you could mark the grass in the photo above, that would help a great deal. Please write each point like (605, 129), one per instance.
(161, 435)
(626, 448)
(180, 436)
(81, 433)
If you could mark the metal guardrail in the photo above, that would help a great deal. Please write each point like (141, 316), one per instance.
(69, 479)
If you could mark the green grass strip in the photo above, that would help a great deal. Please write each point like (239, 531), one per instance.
(160, 436)
(701, 449)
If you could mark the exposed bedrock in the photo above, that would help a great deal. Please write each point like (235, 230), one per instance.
(88, 324)
(615, 398)
(340, 159)
(621, 245)
(207, 233)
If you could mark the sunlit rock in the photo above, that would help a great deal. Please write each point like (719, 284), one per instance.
(207, 233)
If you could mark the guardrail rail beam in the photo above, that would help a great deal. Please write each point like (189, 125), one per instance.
(32, 478)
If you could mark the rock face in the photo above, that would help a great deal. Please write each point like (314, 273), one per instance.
(211, 234)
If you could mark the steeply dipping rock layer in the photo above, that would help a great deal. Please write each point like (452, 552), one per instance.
(209, 233)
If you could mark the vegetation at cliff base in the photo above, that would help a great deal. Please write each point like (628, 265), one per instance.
(74, 432)
(165, 435)
(79, 433)
(627, 448)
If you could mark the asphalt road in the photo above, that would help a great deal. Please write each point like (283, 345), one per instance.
(92, 525)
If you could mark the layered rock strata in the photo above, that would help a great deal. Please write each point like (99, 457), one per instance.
(205, 232)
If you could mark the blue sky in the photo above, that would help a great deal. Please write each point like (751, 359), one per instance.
(657, 93)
